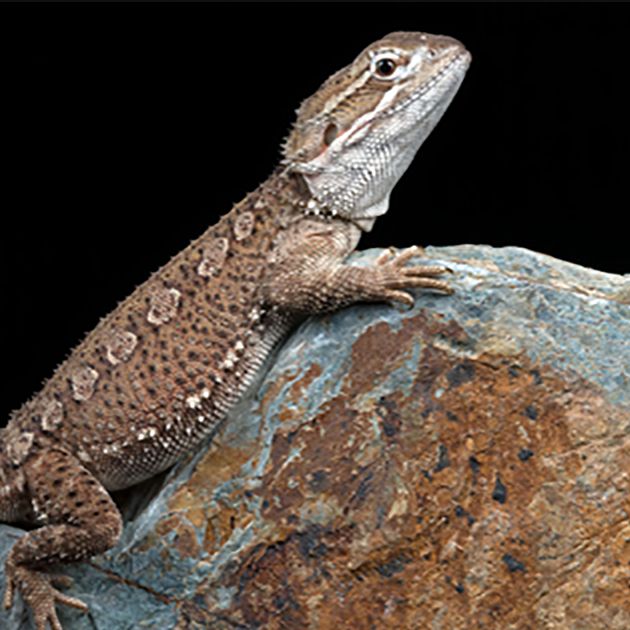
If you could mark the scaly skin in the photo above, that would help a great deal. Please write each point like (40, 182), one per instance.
(160, 372)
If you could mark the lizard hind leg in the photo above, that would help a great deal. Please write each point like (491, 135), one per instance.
(80, 520)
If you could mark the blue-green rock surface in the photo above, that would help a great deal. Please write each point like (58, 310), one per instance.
(463, 460)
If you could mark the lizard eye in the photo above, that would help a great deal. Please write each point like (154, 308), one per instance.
(385, 66)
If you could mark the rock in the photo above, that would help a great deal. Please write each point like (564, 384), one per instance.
(464, 464)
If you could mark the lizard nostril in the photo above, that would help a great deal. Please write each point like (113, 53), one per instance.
(432, 53)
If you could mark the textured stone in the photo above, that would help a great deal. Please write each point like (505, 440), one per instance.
(464, 464)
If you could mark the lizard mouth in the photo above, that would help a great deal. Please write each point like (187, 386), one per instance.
(454, 70)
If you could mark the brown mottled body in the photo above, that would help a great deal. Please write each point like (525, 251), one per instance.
(164, 367)
(162, 370)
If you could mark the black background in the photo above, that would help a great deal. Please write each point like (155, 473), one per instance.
(131, 129)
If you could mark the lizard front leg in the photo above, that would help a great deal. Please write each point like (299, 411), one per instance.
(80, 520)
(310, 275)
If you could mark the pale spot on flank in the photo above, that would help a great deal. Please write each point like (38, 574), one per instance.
(18, 449)
(83, 456)
(163, 304)
(205, 393)
(243, 226)
(193, 401)
(83, 381)
(213, 257)
(230, 360)
(52, 414)
(255, 314)
(146, 433)
(120, 345)
(40, 514)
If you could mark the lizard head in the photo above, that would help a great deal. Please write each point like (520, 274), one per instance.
(356, 136)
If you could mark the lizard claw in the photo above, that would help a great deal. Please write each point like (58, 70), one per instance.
(385, 256)
(391, 254)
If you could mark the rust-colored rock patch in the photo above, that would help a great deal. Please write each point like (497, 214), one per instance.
(459, 499)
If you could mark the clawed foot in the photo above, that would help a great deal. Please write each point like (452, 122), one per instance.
(395, 276)
(39, 593)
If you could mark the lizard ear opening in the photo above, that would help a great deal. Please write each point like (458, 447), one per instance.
(330, 133)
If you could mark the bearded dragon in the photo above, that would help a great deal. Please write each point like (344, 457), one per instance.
(161, 371)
